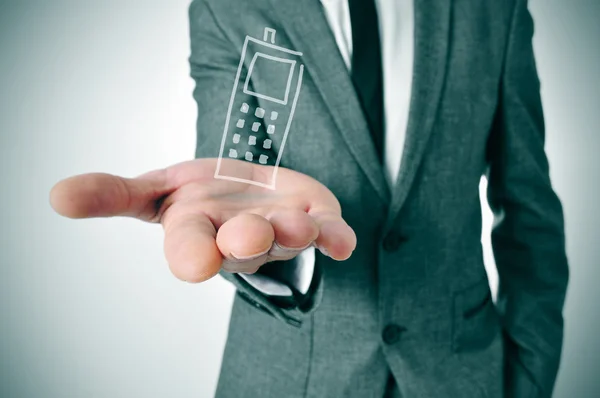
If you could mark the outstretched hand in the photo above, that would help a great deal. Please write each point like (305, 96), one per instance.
(211, 223)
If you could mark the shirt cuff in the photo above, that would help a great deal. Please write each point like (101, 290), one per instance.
(298, 274)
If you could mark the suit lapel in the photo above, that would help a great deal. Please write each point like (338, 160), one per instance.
(432, 35)
(308, 31)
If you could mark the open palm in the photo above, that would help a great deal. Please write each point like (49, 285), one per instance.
(212, 223)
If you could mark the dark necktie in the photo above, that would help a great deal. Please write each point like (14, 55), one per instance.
(367, 74)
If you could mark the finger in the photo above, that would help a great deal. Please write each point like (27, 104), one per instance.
(249, 266)
(336, 239)
(105, 195)
(190, 246)
(244, 242)
(294, 231)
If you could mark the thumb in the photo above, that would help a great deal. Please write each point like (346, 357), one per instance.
(105, 195)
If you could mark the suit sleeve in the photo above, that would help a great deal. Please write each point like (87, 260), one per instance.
(214, 62)
(528, 235)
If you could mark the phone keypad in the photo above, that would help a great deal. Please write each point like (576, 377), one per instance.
(246, 128)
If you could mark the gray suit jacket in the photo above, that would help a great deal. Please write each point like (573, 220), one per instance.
(413, 299)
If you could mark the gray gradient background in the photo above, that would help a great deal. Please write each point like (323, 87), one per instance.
(89, 308)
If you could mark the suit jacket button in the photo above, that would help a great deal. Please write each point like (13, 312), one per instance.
(393, 241)
(392, 333)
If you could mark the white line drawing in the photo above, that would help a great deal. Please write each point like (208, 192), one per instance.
(269, 32)
(282, 101)
(270, 114)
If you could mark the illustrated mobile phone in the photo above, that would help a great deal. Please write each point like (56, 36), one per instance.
(259, 116)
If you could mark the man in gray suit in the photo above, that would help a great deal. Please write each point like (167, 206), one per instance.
(396, 300)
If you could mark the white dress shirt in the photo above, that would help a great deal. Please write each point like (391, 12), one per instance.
(396, 27)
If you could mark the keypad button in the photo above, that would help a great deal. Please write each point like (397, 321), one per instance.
(263, 159)
(260, 113)
(233, 153)
(274, 115)
(249, 156)
(267, 144)
(236, 138)
(252, 140)
(271, 129)
(245, 108)
(240, 123)
(255, 126)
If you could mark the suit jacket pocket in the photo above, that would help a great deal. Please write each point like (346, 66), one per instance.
(475, 320)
